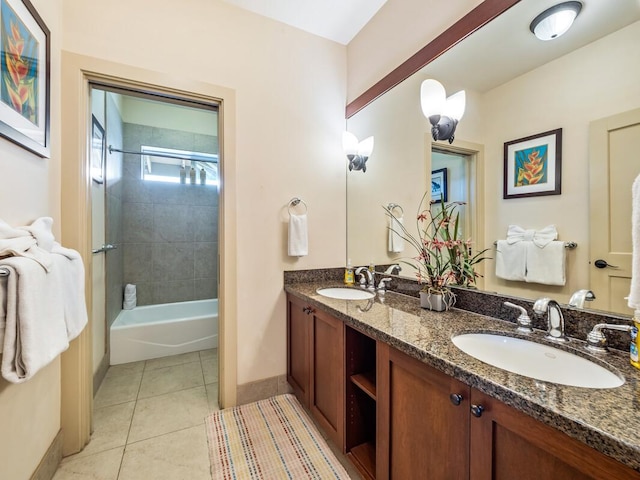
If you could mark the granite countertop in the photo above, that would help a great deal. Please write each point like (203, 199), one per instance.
(605, 419)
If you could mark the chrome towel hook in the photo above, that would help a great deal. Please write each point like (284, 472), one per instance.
(391, 206)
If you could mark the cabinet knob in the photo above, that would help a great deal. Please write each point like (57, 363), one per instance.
(308, 310)
(455, 398)
(476, 410)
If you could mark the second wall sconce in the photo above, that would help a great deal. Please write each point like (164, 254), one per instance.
(357, 152)
(443, 113)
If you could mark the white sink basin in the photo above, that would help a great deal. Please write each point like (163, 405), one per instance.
(537, 361)
(345, 293)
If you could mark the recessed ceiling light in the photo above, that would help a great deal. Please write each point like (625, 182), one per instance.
(555, 21)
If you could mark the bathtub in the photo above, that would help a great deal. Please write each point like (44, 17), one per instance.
(154, 331)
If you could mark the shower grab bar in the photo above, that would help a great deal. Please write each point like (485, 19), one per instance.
(4, 272)
(104, 248)
(158, 154)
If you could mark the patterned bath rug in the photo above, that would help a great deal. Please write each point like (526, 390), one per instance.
(269, 439)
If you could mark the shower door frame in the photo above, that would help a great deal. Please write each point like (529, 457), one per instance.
(78, 74)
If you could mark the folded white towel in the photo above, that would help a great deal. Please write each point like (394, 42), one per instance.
(69, 262)
(35, 328)
(634, 292)
(396, 242)
(511, 260)
(541, 237)
(23, 241)
(298, 235)
(546, 265)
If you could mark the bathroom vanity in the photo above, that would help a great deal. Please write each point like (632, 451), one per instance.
(384, 381)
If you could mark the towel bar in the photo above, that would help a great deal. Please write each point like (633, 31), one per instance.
(569, 245)
(4, 272)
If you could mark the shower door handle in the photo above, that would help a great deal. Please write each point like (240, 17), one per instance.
(104, 248)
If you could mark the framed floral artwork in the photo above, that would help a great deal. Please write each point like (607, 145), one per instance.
(533, 165)
(24, 72)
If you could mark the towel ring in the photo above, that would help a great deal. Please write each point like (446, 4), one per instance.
(294, 202)
(391, 206)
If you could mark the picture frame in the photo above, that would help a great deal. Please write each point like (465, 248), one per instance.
(439, 186)
(533, 165)
(25, 77)
(98, 151)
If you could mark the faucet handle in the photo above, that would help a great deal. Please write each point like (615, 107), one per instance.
(597, 342)
(384, 283)
(523, 321)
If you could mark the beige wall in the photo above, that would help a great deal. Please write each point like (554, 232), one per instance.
(397, 31)
(30, 188)
(290, 94)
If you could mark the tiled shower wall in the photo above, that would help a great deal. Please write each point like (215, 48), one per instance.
(169, 231)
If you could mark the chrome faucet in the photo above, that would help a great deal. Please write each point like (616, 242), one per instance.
(393, 269)
(367, 279)
(579, 297)
(555, 320)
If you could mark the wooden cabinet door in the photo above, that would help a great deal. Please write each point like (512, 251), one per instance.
(422, 434)
(507, 444)
(298, 349)
(327, 375)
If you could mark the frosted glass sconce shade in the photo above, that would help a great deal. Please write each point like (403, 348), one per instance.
(555, 21)
(357, 152)
(443, 113)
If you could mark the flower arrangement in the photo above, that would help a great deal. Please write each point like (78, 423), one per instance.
(444, 258)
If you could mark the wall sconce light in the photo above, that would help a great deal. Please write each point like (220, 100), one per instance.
(357, 153)
(555, 21)
(443, 113)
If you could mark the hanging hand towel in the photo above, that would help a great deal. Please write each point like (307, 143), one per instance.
(396, 242)
(634, 293)
(546, 265)
(511, 260)
(32, 242)
(298, 236)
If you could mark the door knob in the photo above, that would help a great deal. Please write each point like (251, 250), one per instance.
(603, 264)
(476, 410)
(455, 398)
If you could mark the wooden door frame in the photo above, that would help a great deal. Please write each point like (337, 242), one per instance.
(78, 72)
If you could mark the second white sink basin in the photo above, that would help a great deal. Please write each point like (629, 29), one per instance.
(346, 293)
(537, 361)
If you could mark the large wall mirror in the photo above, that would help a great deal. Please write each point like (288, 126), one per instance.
(585, 83)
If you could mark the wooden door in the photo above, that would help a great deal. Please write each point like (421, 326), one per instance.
(614, 163)
(298, 348)
(422, 434)
(507, 444)
(327, 375)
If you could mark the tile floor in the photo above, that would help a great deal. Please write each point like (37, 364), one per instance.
(149, 422)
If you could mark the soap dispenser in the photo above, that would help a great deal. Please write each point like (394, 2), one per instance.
(348, 274)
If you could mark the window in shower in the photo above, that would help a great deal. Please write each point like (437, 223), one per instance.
(173, 166)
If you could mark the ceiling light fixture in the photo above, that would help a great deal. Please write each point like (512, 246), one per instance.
(555, 21)
(357, 153)
(443, 113)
